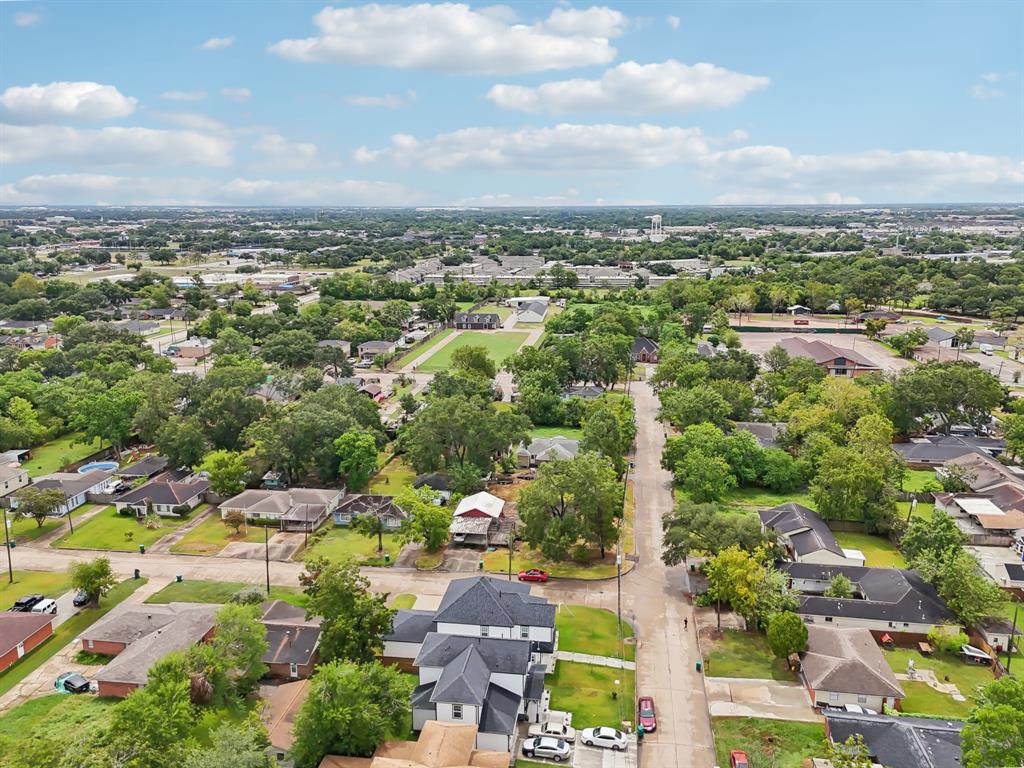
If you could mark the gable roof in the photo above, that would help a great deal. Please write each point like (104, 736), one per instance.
(361, 503)
(902, 742)
(547, 448)
(806, 531)
(164, 492)
(437, 481)
(499, 654)
(73, 483)
(501, 710)
(847, 661)
(463, 680)
(15, 628)
(821, 353)
(261, 501)
(477, 317)
(486, 600)
(643, 344)
(410, 626)
(485, 502)
(144, 467)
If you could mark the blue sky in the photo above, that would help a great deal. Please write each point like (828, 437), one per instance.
(528, 103)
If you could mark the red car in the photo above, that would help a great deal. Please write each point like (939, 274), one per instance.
(534, 574)
(645, 714)
(738, 759)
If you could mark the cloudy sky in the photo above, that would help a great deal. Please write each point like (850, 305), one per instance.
(528, 103)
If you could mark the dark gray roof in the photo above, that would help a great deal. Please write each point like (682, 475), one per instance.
(930, 452)
(643, 344)
(586, 392)
(464, 680)
(145, 467)
(1015, 571)
(488, 601)
(164, 492)
(766, 432)
(790, 518)
(535, 683)
(361, 503)
(500, 655)
(421, 696)
(291, 643)
(477, 317)
(902, 742)
(888, 594)
(438, 481)
(411, 626)
(501, 711)
(939, 334)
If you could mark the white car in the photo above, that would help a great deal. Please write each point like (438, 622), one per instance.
(607, 738)
(856, 709)
(558, 730)
(546, 746)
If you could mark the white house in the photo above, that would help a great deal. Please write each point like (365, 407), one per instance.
(12, 478)
(294, 508)
(76, 487)
(163, 495)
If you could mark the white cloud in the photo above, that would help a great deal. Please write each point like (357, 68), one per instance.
(62, 101)
(387, 101)
(284, 153)
(988, 87)
(27, 18)
(183, 95)
(452, 37)
(103, 189)
(216, 43)
(985, 92)
(112, 146)
(763, 197)
(192, 120)
(673, 21)
(634, 88)
(559, 148)
(570, 198)
(236, 94)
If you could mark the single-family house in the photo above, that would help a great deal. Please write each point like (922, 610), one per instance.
(196, 348)
(140, 327)
(144, 468)
(370, 349)
(798, 309)
(163, 495)
(25, 326)
(438, 482)
(901, 742)
(350, 381)
(384, 507)
(292, 641)
(344, 347)
(878, 314)
(544, 449)
(12, 477)
(475, 517)
(440, 745)
(644, 350)
(519, 302)
(805, 536)
(987, 519)
(476, 321)
(886, 600)
(302, 509)
(766, 432)
(20, 633)
(940, 337)
(589, 392)
(76, 487)
(283, 704)
(836, 361)
(531, 312)
(845, 666)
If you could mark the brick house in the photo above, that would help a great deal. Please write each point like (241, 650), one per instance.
(20, 633)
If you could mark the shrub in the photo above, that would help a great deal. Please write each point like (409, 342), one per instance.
(249, 596)
(947, 639)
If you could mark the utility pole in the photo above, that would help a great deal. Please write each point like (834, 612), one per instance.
(7, 538)
(511, 544)
(1013, 634)
(266, 550)
(71, 524)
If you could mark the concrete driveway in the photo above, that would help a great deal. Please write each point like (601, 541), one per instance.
(746, 697)
(65, 608)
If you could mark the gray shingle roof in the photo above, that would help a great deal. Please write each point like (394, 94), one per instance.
(291, 643)
(790, 518)
(464, 680)
(847, 660)
(488, 601)
(146, 467)
(411, 626)
(535, 683)
(902, 742)
(500, 655)
(501, 711)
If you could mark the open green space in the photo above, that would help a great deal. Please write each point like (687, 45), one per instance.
(922, 699)
(967, 678)
(64, 634)
(46, 583)
(526, 558)
(587, 691)
(879, 551)
(342, 543)
(393, 477)
(743, 654)
(499, 345)
(784, 744)
(923, 509)
(113, 531)
(428, 561)
(198, 591)
(582, 629)
(915, 480)
(211, 536)
(59, 452)
(762, 498)
(65, 718)
(418, 349)
(573, 433)
(26, 529)
(404, 600)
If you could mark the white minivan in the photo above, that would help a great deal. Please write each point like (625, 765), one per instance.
(45, 606)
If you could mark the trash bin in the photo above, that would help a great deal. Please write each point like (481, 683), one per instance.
(700, 665)
(387, 557)
(178, 578)
(480, 564)
(142, 549)
(137, 574)
(14, 544)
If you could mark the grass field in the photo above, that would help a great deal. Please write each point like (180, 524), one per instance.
(404, 600)
(573, 433)
(499, 346)
(586, 691)
(924, 700)
(25, 530)
(923, 509)
(426, 346)
(108, 530)
(879, 551)
(198, 591)
(64, 634)
(211, 536)
(916, 479)
(346, 544)
(30, 583)
(65, 718)
(50, 457)
(785, 744)
(582, 629)
(392, 477)
(744, 654)
(525, 558)
(762, 498)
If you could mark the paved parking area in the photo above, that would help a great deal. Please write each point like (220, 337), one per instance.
(746, 697)
(282, 546)
(759, 343)
(593, 757)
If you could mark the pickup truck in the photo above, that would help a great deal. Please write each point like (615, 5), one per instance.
(558, 730)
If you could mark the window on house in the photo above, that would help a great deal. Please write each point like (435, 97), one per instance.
(485, 631)
(293, 670)
(828, 618)
(524, 633)
(833, 697)
(456, 711)
(861, 699)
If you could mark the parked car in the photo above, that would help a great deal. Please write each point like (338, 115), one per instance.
(533, 574)
(973, 655)
(46, 605)
(801, 321)
(547, 746)
(71, 682)
(856, 709)
(645, 714)
(555, 729)
(738, 759)
(24, 604)
(80, 599)
(607, 738)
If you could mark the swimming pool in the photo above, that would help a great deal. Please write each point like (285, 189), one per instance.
(101, 465)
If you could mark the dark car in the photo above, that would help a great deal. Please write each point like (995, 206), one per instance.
(645, 714)
(24, 604)
(71, 682)
(533, 574)
(81, 598)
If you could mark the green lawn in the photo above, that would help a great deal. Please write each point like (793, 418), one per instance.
(525, 558)
(586, 691)
(762, 498)
(404, 600)
(25, 529)
(967, 677)
(923, 509)
(922, 699)
(52, 456)
(46, 583)
(198, 591)
(879, 551)
(582, 629)
(426, 346)
(392, 477)
(108, 529)
(65, 718)
(64, 634)
(344, 544)
(916, 479)
(573, 433)
(211, 536)
(743, 654)
(785, 744)
(499, 346)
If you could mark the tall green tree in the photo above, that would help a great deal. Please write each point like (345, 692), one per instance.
(94, 577)
(182, 440)
(786, 634)
(227, 471)
(475, 360)
(37, 503)
(240, 642)
(734, 576)
(702, 529)
(358, 452)
(994, 733)
(233, 746)
(428, 522)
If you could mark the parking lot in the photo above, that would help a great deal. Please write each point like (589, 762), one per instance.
(759, 343)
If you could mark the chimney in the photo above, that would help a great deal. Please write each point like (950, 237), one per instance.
(288, 636)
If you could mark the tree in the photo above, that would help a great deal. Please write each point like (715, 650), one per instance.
(970, 594)
(964, 337)
(683, 407)
(947, 638)
(428, 523)
(358, 452)
(409, 404)
(703, 477)
(239, 642)
(182, 441)
(840, 586)
(233, 746)
(701, 529)
(227, 471)
(873, 327)
(787, 634)
(152, 727)
(994, 733)
(235, 519)
(93, 577)
(733, 577)
(106, 414)
(852, 753)
(476, 360)
(936, 536)
(289, 348)
(371, 525)
(349, 710)
(906, 343)
(37, 503)
(953, 392)
(780, 472)
(353, 619)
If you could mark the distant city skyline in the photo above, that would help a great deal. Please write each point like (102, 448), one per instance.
(638, 103)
